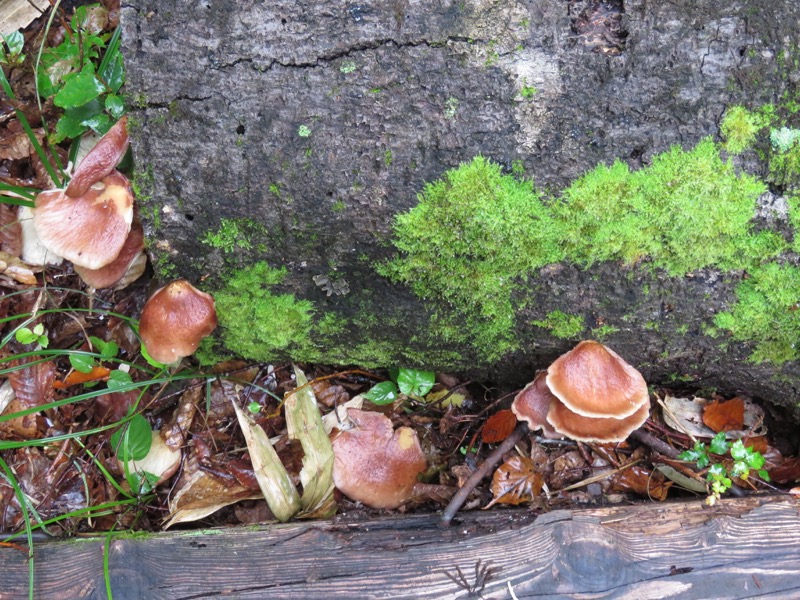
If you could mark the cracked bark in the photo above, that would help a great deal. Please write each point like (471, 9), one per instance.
(221, 89)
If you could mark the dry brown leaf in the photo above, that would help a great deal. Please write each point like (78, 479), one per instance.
(641, 481)
(685, 415)
(16, 269)
(10, 230)
(33, 386)
(515, 482)
(724, 416)
(788, 470)
(499, 426)
(567, 468)
(198, 494)
(175, 431)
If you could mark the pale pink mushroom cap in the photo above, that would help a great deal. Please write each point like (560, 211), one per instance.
(89, 230)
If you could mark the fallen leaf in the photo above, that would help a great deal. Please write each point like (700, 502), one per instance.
(499, 426)
(275, 483)
(515, 482)
(567, 468)
(788, 470)
(724, 416)
(97, 373)
(304, 423)
(10, 230)
(33, 386)
(686, 415)
(641, 481)
(17, 269)
(682, 480)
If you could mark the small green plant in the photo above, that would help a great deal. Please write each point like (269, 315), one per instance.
(37, 335)
(450, 108)
(718, 475)
(11, 49)
(84, 75)
(739, 127)
(784, 138)
(303, 131)
(527, 91)
(410, 382)
(561, 324)
(347, 66)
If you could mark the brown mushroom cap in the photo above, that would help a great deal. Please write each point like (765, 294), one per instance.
(114, 271)
(89, 230)
(594, 381)
(374, 464)
(532, 404)
(174, 320)
(100, 160)
(594, 429)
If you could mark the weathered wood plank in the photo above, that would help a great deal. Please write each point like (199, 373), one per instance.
(741, 548)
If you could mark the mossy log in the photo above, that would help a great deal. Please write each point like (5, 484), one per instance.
(287, 154)
(741, 548)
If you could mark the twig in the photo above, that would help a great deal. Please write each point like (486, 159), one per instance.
(482, 471)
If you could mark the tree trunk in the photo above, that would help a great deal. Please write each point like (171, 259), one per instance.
(278, 142)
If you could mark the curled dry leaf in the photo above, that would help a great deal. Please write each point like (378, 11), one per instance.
(10, 230)
(198, 494)
(724, 416)
(685, 415)
(499, 426)
(641, 481)
(178, 427)
(515, 482)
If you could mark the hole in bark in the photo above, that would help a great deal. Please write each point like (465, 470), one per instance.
(598, 25)
(189, 217)
(240, 130)
(283, 21)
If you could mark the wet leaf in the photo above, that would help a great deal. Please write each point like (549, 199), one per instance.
(641, 481)
(413, 382)
(304, 423)
(382, 393)
(132, 441)
(724, 416)
(33, 386)
(77, 377)
(788, 470)
(515, 482)
(682, 480)
(499, 426)
(17, 269)
(274, 481)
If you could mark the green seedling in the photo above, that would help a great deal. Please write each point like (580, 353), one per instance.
(410, 382)
(11, 49)
(718, 475)
(37, 335)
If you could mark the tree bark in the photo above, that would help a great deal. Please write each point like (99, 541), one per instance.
(295, 132)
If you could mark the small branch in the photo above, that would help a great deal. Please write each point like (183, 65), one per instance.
(482, 471)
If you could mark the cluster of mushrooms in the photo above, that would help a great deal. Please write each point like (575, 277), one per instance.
(92, 223)
(589, 394)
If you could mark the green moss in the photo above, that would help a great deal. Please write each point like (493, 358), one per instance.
(739, 127)
(257, 323)
(477, 233)
(766, 313)
(233, 235)
(603, 331)
(562, 325)
(667, 213)
(467, 240)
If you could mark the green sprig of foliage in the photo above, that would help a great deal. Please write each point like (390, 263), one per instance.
(410, 382)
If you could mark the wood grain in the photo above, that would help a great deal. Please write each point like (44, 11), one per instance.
(741, 548)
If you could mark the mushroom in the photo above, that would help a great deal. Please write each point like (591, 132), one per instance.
(100, 160)
(374, 464)
(89, 230)
(174, 320)
(589, 394)
(113, 272)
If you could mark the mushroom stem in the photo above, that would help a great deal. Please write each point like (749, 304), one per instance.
(482, 471)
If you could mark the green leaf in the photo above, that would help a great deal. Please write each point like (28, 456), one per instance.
(15, 42)
(107, 350)
(115, 106)
(737, 450)
(81, 362)
(73, 123)
(763, 474)
(718, 444)
(415, 383)
(39, 329)
(142, 482)
(118, 379)
(132, 442)
(254, 407)
(382, 393)
(25, 336)
(113, 72)
(79, 89)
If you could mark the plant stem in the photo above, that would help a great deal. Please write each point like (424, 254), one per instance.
(482, 471)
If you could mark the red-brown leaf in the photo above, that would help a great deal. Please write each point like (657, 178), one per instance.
(515, 482)
(76, 377)
(641, 481)
(725, 416)
(498, 427)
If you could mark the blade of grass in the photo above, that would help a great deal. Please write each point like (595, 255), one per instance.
(23, 506)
